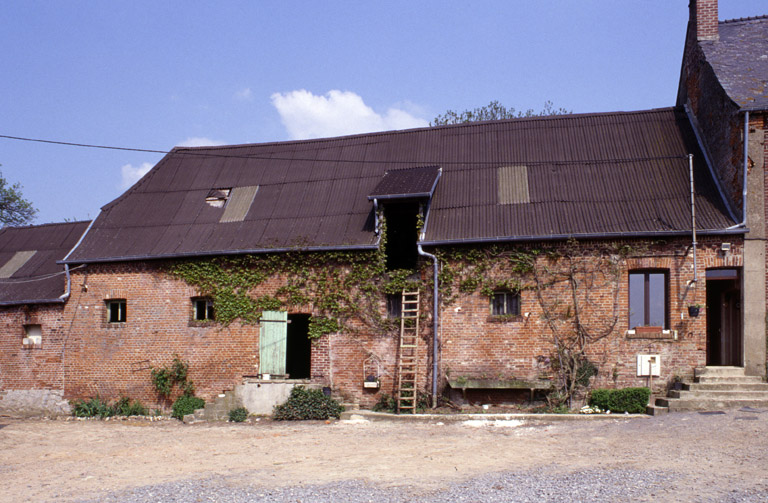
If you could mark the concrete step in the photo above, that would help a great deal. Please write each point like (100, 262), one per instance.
(725, 386)
(686, 404)
(719, 372)
(719, 394)
(656, 410)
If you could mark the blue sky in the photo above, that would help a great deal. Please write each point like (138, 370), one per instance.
(151, 75)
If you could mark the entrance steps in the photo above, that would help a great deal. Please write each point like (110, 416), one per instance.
(717, 388)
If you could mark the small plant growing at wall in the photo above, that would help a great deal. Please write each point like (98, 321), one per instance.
(164, 379)
(238, 415)
(306, 403)
(186, 404)
(96, 407)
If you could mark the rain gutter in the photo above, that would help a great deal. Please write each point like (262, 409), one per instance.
(588, 235)
(128, 258)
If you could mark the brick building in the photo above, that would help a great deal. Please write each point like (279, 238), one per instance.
(524, 238)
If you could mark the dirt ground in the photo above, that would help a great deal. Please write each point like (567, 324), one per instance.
(47, 460)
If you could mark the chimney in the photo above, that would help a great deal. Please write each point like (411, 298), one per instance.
(704, 17)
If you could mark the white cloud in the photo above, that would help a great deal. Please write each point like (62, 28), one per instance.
(199, 141)
(336, 113)
(244, 94)
(132, 174)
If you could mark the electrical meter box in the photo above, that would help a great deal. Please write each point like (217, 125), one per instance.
(648, 365)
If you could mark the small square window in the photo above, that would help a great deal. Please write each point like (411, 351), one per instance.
(116, 311)
(203, 309)
(505, 303)
(394, 306)
(33, 335)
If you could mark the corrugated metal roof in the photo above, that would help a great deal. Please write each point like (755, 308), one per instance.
(34, 276)
(407, 183)
(740, 60)
(594, 174)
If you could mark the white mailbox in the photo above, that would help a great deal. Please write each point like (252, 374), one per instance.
(648, 365)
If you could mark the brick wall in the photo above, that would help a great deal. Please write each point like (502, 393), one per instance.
(86, 356)
(477, 345)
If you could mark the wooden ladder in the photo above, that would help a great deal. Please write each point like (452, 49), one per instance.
(408, 355)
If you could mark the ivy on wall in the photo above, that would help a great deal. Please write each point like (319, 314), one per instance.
(336, 286)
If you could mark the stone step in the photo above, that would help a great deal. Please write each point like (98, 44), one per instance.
(656, 410)
(719, 371)
(684, 404)
(729, 379)
(725, 386)
(719, 394)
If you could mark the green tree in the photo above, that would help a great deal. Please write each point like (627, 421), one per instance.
(494, 111)
(14, 209)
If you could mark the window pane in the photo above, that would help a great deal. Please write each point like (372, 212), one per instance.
(513, 303)
(498, 304)
(658, 301)
(636, 300)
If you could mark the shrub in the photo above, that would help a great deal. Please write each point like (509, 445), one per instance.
(186, 404)
(307, 404)
(238, 415)
(127, 407)
(386, 403)
(95, 407)
(632, 400)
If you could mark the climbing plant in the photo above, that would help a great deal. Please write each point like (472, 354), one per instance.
(576, 286)
(336, 285)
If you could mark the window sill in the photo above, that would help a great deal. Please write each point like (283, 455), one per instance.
(656, 333)
(31, 345)
(202, 323)
(504, 318)
(114, 324)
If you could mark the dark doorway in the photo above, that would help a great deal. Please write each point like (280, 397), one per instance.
(724, 342)
(401, 236)
(298, 347)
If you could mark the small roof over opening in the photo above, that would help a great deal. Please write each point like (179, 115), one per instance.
(409, 183)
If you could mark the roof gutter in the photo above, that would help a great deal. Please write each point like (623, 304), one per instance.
(587, 235)
(58, 300)
(219, 252)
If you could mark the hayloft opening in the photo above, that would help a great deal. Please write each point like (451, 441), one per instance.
(298, 354)
(401, 219)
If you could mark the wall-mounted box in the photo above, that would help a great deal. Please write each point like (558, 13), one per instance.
(648, 365)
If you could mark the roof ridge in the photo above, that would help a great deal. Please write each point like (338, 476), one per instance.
(742, 19)
(48, 224)
(426, 128)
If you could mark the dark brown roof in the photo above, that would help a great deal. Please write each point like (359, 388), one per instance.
(29, 273)
(740, 60)
(407, 183)
(615, 174)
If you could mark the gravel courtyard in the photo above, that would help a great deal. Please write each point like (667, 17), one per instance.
(679, 457)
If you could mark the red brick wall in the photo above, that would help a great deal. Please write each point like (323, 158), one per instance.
(476, 345)
(39, 367)
(100, 359)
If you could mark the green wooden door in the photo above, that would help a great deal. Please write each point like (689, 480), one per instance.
(273, 335)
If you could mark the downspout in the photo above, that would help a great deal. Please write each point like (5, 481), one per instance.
(693, 217)
(436, 321)
(746, 169)
(68, 291)
(376, 229)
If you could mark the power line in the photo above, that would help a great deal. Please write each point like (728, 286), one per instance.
(355, 161)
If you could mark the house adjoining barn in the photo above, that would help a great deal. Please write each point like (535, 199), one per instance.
(487, 257)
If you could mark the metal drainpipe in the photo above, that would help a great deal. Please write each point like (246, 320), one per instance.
(693, 216)
(746, 168)
(68, 291)
(436, 320)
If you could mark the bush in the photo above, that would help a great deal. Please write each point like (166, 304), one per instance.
(632, 400)
(238, 415)
(307, 404)
(186, 404)
(386, 403)
(127, 407)
(95, 407)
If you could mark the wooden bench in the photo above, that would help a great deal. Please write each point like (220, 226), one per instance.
(533, 386)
